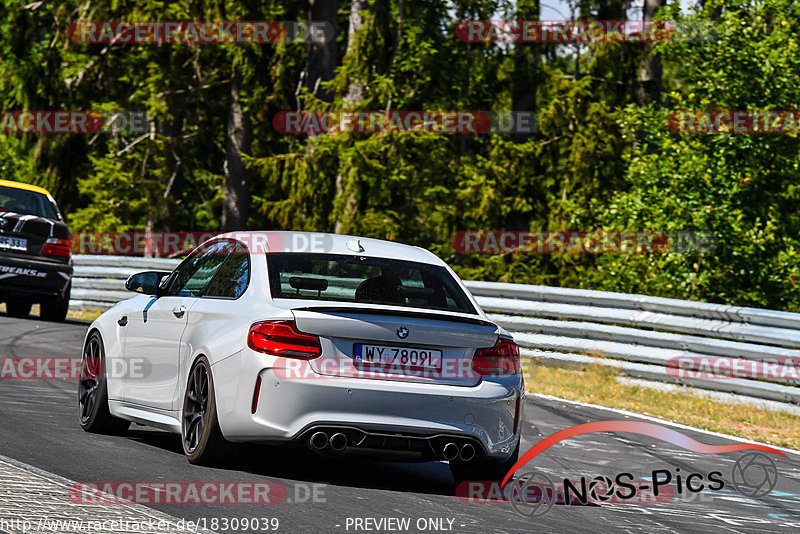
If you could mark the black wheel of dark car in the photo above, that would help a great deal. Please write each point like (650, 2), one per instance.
(483, 470)
(55, 309)
(203, 442)
(18, 308)
(93, 411)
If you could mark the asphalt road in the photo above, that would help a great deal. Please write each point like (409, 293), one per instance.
(38, 426)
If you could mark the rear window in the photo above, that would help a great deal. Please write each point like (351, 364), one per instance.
(27, 202)
(362, 279)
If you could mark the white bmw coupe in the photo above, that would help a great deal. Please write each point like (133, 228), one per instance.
(341, 344)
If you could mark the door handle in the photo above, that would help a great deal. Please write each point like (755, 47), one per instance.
(123, 320)
(179, 311)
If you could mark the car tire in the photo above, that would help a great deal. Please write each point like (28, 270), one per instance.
(93, 413)
(483, 470)
(56, 309)
(18, 308)
(202, 439)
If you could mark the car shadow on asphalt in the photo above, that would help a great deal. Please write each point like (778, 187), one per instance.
(166, 441)
(38, 319)
(298, 464)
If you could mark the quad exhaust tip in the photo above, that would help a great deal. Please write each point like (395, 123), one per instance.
(338, 442)
(467, 452)
(318, 441)
(450, 451)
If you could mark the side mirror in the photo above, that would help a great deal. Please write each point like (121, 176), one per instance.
(146, 282)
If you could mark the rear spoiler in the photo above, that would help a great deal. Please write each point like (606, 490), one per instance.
(399, 313)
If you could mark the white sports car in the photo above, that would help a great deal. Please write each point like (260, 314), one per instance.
(340, 344)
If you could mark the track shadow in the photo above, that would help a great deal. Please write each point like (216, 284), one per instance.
(33, 317)
(297, 464)
(165, 441)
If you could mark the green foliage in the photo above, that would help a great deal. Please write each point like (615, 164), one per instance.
(743, 188)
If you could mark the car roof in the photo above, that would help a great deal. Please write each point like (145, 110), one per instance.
(26, 187)
(324, 243)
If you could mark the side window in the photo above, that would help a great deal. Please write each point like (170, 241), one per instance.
(232, 277)
(197, 270)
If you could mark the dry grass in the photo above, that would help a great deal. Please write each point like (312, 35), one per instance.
(84, 315)
(598, 385)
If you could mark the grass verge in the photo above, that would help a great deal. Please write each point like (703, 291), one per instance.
(598, 385)
(84, 315)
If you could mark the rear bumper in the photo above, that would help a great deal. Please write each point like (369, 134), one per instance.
(288, 409)
(32, 277)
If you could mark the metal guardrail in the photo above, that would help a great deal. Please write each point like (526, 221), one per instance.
(636, 334)
(99, 281)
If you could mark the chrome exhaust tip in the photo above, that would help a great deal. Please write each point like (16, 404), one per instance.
(450, 451)
(318, 441)
(338, 442)
(467, 452)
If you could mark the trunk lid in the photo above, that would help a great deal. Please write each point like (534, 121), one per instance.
(25, 235)
(402, 345)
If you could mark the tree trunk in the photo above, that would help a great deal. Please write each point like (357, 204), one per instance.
(321, 56)
(650, 69)
(355, 93)
(172, 129)
(525, 78)
(237, 180)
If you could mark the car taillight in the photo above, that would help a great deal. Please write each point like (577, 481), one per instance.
(502, 359)
(281, 338)
(54, 246)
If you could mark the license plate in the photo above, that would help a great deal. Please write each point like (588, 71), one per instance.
(397, 357)
(13, 243)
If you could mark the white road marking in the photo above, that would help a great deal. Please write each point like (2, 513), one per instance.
(37, 496)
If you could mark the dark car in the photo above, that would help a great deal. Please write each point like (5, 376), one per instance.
(35, 252)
